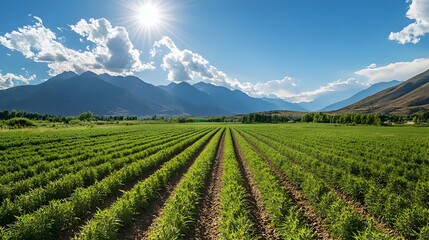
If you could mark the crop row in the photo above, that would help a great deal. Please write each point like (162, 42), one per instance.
(388, 172)
(72, 165)
(64, 186)
(287, 219)
(177, 218)
(48, 221)
(408, 214)
(106, 223)
(342, 220)
(235, 218)
(18, 182)
(17, 139)
(37, 158)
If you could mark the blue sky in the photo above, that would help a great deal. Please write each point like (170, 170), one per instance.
(295, 50)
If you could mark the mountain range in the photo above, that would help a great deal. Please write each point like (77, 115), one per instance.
(408, 97)
(69, 94)
(371, 90)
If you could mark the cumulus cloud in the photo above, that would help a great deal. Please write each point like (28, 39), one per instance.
(419, 12)
(185, 65)
(9, 80)
(284, 88)
(113, 52)
(113, 47)
(394, 71)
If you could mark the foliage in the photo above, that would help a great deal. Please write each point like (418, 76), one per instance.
(352, 118)
(96, 181)
(264, 118)
(85, 198)
(177, 218)
(106, 223)
(387, 173)
(336, 118)
(86, 116)
(20, 122)
(284, 215)
(235, 218)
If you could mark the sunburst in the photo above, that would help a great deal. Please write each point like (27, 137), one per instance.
(151, 19)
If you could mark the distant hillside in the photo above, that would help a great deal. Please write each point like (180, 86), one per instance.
(406, 98)
(68, 95)
(148, 93)
(189, 94)
(373, 89)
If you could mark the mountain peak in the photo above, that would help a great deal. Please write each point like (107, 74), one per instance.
(64, 75)
(183, 84)
(88, 74)
(67, 74)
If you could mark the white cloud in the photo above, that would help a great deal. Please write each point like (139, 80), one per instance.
(287, 89)
(185, 65)
(284, 88)
(114, 49)
(371, 66)
(38, 19)
(9, 80)
(394, 71)
(113, 52)
(339, 85)
(419, 12)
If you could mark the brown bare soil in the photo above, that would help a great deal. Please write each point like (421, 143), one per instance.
(208, 214)
(257, 210)
(313, 219)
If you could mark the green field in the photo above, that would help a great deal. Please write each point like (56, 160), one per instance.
(215, 181)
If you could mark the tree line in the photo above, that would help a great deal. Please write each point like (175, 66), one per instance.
(85, 116)
(350, 118)
(266, 118)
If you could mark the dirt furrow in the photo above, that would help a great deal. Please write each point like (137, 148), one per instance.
(145, 220)
(258, 212)
(208, 215)
(313, 219)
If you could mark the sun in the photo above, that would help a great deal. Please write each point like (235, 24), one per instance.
(151, 19)
(149, 15)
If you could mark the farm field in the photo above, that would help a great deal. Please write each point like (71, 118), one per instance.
(215, 181)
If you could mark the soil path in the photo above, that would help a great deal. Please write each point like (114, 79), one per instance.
(208, 214)
(257, 210)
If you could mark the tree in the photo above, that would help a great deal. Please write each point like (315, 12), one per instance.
(86, 116)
